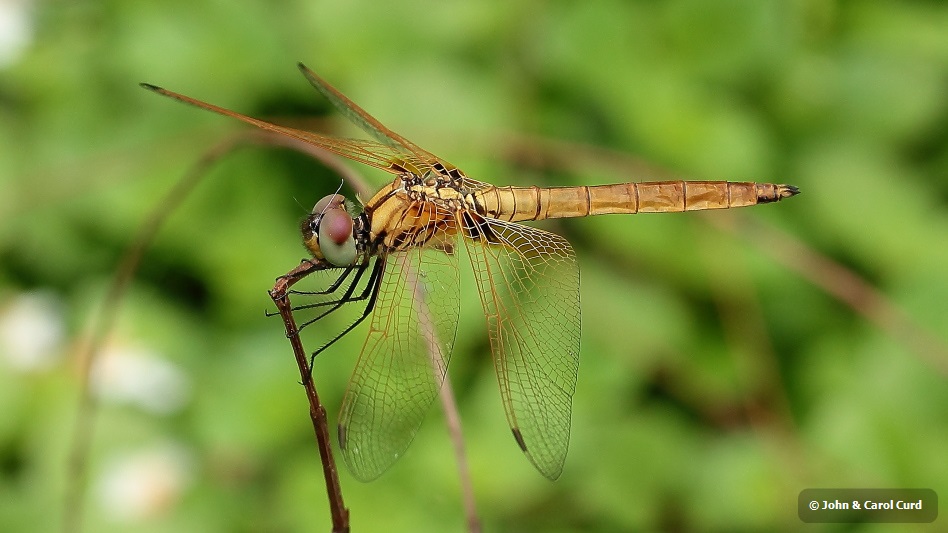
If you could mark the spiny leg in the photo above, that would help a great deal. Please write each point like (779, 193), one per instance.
(346, 298)
(374, 283)
(332, 288)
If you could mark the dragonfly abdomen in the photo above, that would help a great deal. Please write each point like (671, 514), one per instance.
(535, 203)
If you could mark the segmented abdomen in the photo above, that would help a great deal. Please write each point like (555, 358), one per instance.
(535, 203)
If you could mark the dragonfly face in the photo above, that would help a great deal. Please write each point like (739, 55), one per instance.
(328, 232)
(402, 249)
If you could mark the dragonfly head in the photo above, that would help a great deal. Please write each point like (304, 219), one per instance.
(327, 231)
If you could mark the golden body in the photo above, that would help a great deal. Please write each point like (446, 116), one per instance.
(412, 210)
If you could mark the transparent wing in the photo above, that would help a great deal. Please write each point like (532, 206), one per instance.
(403, 361)
(422, 159)
(374, 154)
(529, 285)
(363, 119)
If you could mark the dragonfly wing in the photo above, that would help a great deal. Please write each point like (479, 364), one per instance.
(370, 153)
(369, 124)
(529, 285)
(403, 361)
(360, 117)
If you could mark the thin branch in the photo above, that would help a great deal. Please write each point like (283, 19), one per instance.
(330, 160)
(317, 413)
(847, 287)
(453, 420)
(765, 400)
(448, 402)
(100, 328)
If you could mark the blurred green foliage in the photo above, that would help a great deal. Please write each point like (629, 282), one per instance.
(716, 382)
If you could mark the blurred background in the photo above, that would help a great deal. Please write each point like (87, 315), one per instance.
(729, 359)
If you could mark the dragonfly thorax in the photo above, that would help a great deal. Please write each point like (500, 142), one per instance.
(328, 232)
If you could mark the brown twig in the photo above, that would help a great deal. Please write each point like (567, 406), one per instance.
(90, 348)
(765, 399)
(453, 420)
(317, 413)
(448, 403)
(847, 287)
(331, 161)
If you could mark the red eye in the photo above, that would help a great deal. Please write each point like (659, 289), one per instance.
(336, 225)
(336, 242)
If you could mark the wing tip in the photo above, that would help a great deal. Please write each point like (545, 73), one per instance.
(549, 471)
(310, 75)
(519, 438)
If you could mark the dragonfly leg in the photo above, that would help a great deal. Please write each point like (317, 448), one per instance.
(373, 284)
(346, 298)
(332, 288)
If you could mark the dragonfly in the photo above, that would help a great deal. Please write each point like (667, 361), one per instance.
(402, 247)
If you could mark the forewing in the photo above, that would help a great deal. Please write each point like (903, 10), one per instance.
(382, 156)
(529, 285)
(361, 118)
(403, 361)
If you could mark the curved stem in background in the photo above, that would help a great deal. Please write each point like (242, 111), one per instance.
(101, 326)
(453, 420)
(850, 289)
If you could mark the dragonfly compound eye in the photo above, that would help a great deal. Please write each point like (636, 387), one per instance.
(335, 237)
(327, 232)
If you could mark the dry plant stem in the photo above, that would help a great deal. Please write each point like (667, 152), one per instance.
(745, 329)
(317, 413)
(453, 420)
(764, 398)
(331, 161)
(448, 404)
(101, 326)
(849, 288)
